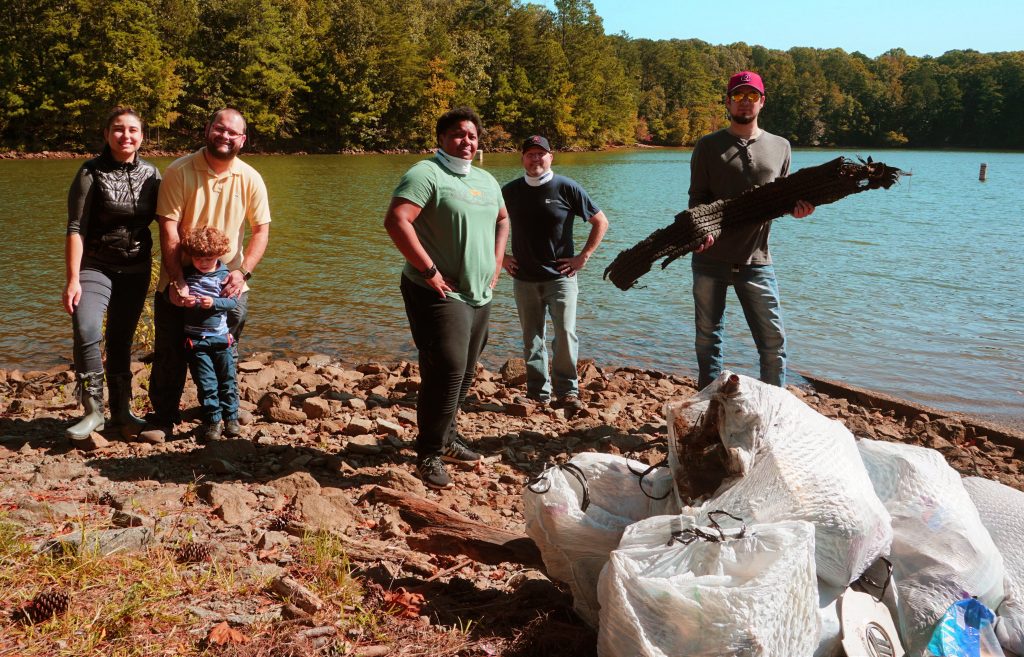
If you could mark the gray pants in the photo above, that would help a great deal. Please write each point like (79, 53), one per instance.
(119, 297)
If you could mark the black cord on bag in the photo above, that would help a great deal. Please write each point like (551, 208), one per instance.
(535, 484)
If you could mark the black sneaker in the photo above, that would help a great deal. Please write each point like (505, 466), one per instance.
(232, 428)
(210, 431)
(431, 470)
(459, 452)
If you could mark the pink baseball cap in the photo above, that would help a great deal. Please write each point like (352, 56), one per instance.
(745, 79)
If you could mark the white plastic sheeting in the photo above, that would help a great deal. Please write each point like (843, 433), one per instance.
(1001, 509)
(940, 547)
(795, 464)
(753, 596)
(575, 543)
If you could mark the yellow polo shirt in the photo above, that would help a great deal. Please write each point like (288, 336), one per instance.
(196, 196)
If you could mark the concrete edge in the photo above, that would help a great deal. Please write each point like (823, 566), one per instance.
(996, 432)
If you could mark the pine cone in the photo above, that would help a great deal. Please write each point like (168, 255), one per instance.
(194, 553)
(285, 517)
(44, 606)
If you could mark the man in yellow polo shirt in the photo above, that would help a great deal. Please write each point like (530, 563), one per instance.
(210, 187)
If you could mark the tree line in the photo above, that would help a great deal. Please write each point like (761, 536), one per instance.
(340, 75)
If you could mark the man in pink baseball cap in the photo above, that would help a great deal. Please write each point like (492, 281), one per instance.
(723, 165)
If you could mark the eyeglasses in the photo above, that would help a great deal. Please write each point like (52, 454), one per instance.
(752, 96)
(226, 132)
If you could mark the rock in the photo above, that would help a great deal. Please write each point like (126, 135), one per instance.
(263, 572)
(232, 503)
(249, 366)
(358, 426)
(271, 540)
(90, 443)
(64, 470)
(316, 408)
(949, 428)
(331, 510)
(355, 403)
(130, 519)
(285, 415)
(486, 388)
(519, 410)
(367, 445)
(101, 542)
(401, 480)
(389, 427)
(295, 484)
(513, 372)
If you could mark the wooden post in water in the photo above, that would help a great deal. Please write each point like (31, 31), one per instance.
(481, 154)
(982, 172)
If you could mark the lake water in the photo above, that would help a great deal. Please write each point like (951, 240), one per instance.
(914, 291)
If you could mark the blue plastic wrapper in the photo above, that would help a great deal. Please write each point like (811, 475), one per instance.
(966, 631)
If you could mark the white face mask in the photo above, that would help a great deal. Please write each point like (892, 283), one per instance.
(537, 181)
(454, 164)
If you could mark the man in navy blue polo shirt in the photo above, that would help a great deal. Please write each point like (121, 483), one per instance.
(542, 207)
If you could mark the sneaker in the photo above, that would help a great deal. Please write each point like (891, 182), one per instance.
(570, 402)
(210, 431)
(232, 428)
(431, 470)
(459, 452)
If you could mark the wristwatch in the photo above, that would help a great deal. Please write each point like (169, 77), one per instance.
(429, 272)
(246, 274)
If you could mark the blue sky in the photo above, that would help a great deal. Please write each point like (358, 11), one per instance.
(918, 26)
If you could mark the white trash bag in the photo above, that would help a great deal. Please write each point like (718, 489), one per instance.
(940, 547)
(674, 588)
(576, 513)
(764, 454)
(1001, 510)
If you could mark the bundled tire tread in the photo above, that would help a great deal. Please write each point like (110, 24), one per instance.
(818, 185)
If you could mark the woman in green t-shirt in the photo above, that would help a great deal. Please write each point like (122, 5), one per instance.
(448, 219)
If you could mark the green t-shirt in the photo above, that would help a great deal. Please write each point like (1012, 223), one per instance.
(456, 226)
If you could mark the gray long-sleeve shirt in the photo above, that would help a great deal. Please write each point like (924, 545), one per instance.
(723, 166)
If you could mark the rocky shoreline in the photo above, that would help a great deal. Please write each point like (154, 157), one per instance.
(325, 467)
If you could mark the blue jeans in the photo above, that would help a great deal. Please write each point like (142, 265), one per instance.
(167, 379)
(758, 292)
(533, 301)
(212, 364)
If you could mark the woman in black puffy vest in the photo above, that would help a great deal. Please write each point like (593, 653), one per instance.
(111, 205)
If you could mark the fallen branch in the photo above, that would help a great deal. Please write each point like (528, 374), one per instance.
(446, 532)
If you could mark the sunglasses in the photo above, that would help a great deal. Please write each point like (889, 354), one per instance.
(752, 96)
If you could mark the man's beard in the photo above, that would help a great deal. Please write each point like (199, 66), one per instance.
(211, 148)
(742, 120)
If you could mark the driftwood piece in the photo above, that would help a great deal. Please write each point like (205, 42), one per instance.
(446, 532)
(818, 185)
(367, 550)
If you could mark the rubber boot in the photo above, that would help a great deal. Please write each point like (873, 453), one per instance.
(90, 387)
(121, 416)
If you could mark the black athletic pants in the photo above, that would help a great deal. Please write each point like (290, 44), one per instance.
(449, 335)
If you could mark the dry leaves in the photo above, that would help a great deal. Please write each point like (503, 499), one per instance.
(405, 604)
(223, 634)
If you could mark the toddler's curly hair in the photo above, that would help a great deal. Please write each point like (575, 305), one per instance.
(206, 242)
